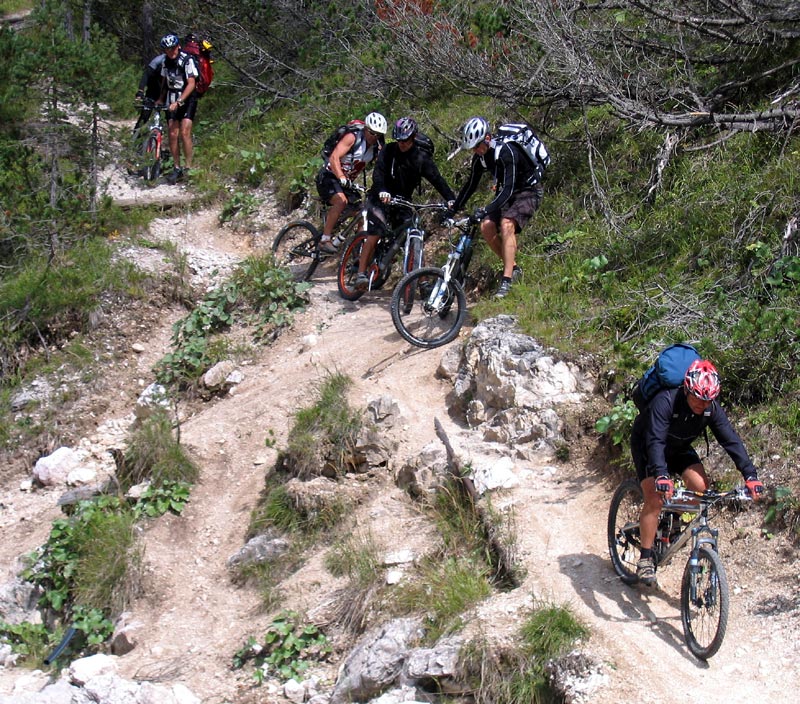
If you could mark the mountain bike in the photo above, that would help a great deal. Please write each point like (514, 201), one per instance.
(296, 246)
(441, 308)
(408, 236)
(705, 595)
(151, 152)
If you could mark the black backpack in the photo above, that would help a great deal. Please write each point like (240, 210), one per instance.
(424, 142)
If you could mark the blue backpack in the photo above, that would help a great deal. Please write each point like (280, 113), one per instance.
(667, 372)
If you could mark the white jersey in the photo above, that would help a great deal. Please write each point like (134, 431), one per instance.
(177, 72)
(359, 156)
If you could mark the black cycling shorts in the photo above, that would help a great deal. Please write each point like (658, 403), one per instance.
(187, 112)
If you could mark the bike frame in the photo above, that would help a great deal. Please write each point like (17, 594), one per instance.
(698, 529)
(457, 261)
(404, 235)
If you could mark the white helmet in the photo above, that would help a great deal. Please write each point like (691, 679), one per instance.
(474, 132)
(376, 122)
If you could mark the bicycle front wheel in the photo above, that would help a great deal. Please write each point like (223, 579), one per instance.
(704, 604)
(151, 159)
(437, 316)
(296, 247)
(414, 261)
(624, 542)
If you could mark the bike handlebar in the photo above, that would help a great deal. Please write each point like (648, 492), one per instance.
(710, 496)
(462, 223)
(397, 200)
(149, 104)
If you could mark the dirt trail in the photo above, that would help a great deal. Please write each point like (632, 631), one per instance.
(194, 617)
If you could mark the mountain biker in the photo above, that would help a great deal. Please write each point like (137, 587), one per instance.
(149, 89)
(519, 194)
(179, 73)
(357, 147)
(661, 445)
(399, 170)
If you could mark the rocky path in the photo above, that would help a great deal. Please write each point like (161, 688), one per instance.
(192, 617)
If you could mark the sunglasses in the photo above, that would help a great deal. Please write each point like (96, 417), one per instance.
(373, 132)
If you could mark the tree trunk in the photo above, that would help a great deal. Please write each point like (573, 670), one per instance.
(87, 21)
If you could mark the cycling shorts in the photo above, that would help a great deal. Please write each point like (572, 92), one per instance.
(187, 112)
(520, 207)
(677, 462)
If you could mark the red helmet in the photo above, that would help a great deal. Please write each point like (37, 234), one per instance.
(702, 380)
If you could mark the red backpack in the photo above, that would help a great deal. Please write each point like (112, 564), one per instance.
(200, 51)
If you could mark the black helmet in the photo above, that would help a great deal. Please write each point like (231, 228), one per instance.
(405, 128)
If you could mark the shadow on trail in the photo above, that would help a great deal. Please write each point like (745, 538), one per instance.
(611, 600)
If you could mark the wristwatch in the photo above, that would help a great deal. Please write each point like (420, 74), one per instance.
(180, 102)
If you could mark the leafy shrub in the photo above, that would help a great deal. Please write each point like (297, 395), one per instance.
(269, 292)
(323, 435)
(86, 569)
(32, 641)
(157, 500)
(155, 455)
(286, 650)
(618, 423)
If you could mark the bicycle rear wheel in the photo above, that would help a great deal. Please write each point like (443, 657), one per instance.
(704, 604)
(437, 316)
(296, 247)
(414, 261)
(151, 159)
(623, 529)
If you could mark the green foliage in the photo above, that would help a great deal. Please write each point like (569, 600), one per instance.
(278, 510)
(32, 641)
(550, 631)
(44, 300)
(96, 628)
(155, 455)
(240, 206)
(618, 423)
(785, 509)
(457, 521)
(517, 675)
(170, 496)
(324, 434)
(85, 567)
(445, 590)
(286, 650)
(258, 292)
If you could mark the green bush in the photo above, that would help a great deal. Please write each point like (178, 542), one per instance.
(444, 590)
(323, 435)
(286, 650)
(517, 674)
(259, 293)
(87, 570)
(155, 455)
